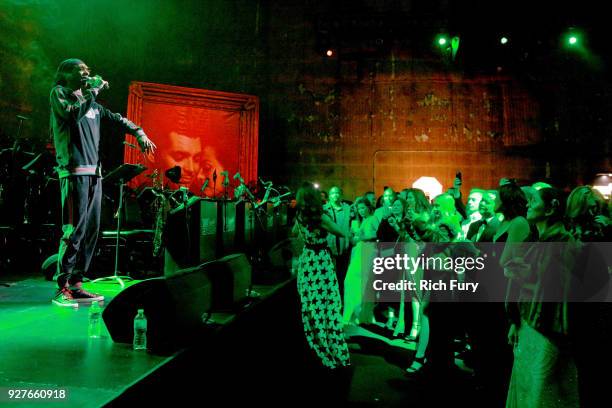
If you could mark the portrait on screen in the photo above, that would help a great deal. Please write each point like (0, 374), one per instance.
(204, 133)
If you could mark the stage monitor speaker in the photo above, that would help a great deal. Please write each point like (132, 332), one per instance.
(231, 281)
(175, 308)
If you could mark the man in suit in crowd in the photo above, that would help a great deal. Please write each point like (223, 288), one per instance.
(484, 230)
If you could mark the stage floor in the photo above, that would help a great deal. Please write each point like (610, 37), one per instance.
(257, 355)
(43, 346)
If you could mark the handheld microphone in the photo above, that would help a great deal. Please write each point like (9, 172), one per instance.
(104, 84)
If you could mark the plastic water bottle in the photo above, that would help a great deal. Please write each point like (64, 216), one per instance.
(95, 320)
(140, 331)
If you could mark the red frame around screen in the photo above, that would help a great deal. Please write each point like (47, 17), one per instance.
(200, 130)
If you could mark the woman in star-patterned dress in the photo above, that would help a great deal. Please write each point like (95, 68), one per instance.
(317, 282)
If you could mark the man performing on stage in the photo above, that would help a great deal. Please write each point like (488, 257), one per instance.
(75, 122)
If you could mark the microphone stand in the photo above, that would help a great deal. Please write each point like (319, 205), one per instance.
(116, 277)
(214, 177)
(225, 186)
(122, 174)
(252, 200)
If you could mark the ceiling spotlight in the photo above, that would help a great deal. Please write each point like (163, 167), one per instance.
(503, 40)
(329, 53)
(442, 40)
(574, 38)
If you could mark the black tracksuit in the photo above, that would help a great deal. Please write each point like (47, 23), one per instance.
(75, 123)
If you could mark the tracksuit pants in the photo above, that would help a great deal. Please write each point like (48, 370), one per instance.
(81, 205)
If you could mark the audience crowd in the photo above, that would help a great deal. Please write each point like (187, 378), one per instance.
(547, 339)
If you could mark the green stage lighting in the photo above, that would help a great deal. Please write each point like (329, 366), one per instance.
(503, 40)
(454, 46)
(573, 38)
(441, 40)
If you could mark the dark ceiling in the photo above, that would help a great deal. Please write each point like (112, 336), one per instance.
(361, 29)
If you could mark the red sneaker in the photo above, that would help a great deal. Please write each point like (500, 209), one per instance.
(64, 298)
(83, 296)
